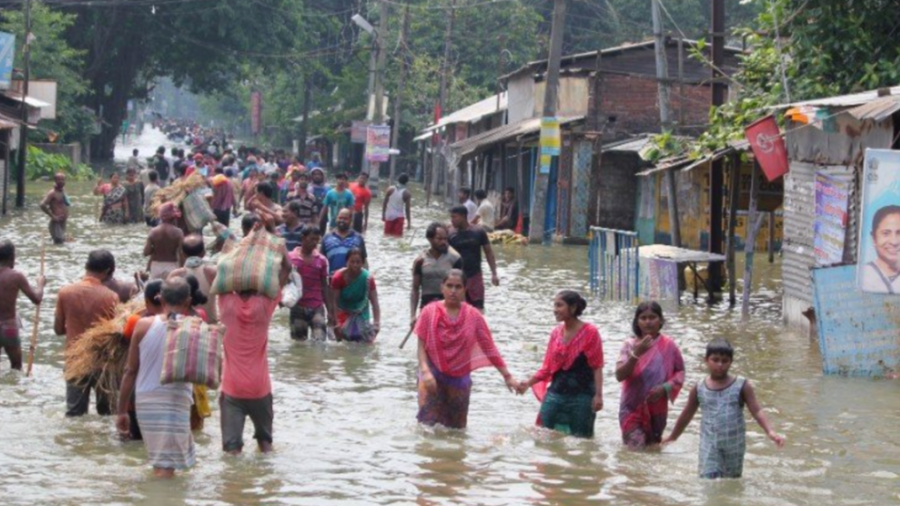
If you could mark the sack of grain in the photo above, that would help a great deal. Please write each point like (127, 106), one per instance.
(254, 264)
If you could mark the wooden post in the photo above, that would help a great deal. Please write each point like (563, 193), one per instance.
(753, 224)
(716, 172)
(520, 175)
(734, 194)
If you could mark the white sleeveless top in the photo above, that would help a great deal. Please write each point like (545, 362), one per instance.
(396, 207)
(152, 350)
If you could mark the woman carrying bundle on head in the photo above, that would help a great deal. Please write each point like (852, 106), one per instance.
(353, 289)
(454, 340)
(570, 382)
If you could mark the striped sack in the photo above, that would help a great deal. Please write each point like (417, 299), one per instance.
(193, 353)
(197, 211)
(254, 264)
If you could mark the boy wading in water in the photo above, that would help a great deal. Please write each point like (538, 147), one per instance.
(722, 429)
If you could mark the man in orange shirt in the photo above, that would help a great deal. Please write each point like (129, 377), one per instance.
(362, 197)
(80, 306)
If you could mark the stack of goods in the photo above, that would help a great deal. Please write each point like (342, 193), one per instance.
(253, 265)
(101, 352)
(190, 194)
(507, 237)
(193, 353)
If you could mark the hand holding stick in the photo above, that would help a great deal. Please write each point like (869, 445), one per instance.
(412, 327)
(37, 316)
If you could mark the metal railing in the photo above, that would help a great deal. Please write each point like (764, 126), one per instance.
(614, 257)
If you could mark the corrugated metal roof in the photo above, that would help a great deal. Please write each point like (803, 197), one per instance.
(425, 136)
(686, 163)
(31, 101)
(632, 145)
(473, 113)
(612, 51)
(851, 100)
(8, 123)
(524, 127)
(879, 110)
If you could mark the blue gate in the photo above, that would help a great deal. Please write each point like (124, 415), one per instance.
(614, 257)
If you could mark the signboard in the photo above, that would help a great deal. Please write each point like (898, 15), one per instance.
(857, 330)
(7, 56)
(358, 132)
(551, 140)
(255, 112)
(879, 230)
(378, 143)
(768, 147)
(45, 91)
(829, 229)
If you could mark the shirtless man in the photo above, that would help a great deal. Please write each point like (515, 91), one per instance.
(124, 289)
(164, 243)
(56, 206)
(11, 283)
(193, 250)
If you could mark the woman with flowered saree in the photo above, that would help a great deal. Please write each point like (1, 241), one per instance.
(115, 205)
(651, 371)
(454, 340)
(353, 288)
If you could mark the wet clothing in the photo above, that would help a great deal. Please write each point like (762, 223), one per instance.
(722, 430)
(335, 248)
(9, 333)
(475, 291)
(161, 270)
(245, 371)
(312, 272)
(432, 272)
(641, 421)
(395, 212)
(306, 320)
(566, 385)
(362, 196)
(469, 244)
(114, 200)
(308, 209)
(455, 347)
(394, 228)
(353, 312)
(234, 413)
(78, 398)
(58, 231)
(134, 193)
(335, 201)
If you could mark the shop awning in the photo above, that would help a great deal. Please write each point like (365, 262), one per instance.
(484, 140)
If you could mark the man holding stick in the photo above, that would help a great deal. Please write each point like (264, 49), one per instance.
(11, 283)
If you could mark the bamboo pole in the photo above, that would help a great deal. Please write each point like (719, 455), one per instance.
(754, 222)
(37, 317)
(408, 334)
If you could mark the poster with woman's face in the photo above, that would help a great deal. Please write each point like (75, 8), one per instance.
(878, 270)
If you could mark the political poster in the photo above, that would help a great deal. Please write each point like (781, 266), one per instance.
(358, 132)
(378, 143)
(878, 270)
(830, 224)
(768, 147)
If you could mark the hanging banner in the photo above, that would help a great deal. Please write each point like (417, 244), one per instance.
(358, 132)
(768, 147)
(255, 112)
(7, 53)
(378, 143)
(831, 219)
(879, 226)
(551, 140)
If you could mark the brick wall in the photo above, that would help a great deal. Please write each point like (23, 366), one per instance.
(632, 101)
(617, 190)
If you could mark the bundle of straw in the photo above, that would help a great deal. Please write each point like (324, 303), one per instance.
(176, 192)
(101, 352)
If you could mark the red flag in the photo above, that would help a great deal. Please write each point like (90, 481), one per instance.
(768, 147)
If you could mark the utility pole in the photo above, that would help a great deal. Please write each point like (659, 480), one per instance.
(540, 231)
(717, 169)
(398, 100)
(662, 78)
(23, 129)
(442, 102)
(378, 117)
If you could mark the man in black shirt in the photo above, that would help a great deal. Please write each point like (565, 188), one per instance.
(469, 240)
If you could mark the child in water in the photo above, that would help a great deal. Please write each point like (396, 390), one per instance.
(722, 430)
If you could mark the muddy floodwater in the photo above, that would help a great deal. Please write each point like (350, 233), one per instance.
(345, 429)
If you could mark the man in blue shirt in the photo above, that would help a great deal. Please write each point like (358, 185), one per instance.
(337, 199)
(337, 243)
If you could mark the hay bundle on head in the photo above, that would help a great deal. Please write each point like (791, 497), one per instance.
(176, 192)
(101, 352)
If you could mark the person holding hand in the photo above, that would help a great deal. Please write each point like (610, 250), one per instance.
(570, 382)
(651, 371)
(454, 340)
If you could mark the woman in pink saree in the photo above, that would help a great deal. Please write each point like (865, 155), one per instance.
(651, 371)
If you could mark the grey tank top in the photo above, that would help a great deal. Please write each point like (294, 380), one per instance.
(434, 270)
(152, 350)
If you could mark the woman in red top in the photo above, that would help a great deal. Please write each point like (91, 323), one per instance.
(570, 382)
(454, 340)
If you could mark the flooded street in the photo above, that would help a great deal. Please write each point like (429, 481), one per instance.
(345, 428)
